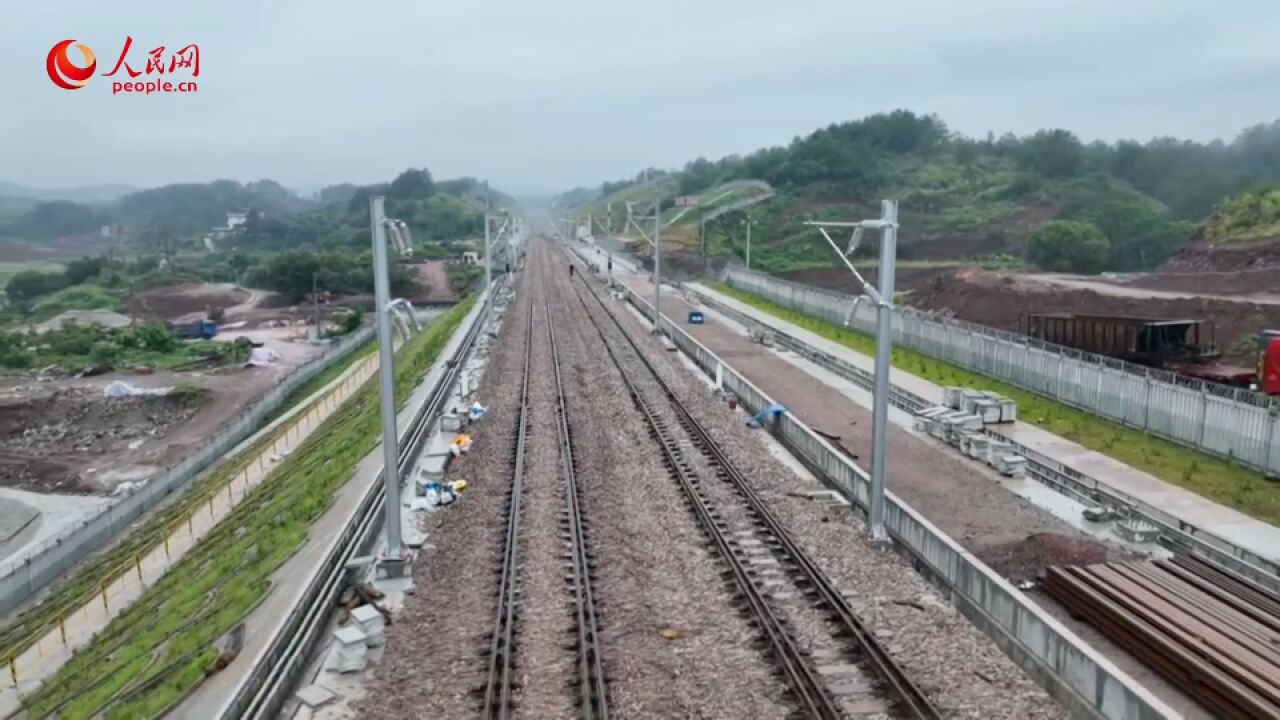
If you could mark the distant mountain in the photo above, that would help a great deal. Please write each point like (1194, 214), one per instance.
(85, 194)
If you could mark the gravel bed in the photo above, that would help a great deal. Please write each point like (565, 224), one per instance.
(964, 673)
(808, 624)
(544, 659)
(673, 647)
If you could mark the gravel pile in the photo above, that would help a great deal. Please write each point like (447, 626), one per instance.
(964, 673)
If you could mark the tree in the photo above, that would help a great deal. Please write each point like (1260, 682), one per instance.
(1141, 235)
(698, 175)
(411, 183)
(1053, 153)
(31, 284)
(79, 271)
(1068, 246)
(337, 194)
(55, 219)
(239, 262)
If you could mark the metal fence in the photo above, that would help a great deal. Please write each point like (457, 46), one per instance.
(34, 567)
(1078, 677)
(1231, 423)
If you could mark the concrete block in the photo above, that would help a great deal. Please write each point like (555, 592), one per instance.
(951, 397)
(315, 695)
(988, 409)
(1008, 410)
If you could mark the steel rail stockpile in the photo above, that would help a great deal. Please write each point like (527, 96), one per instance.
(501, 673)
(593, 703)
(804, 679)
(1210, 637)
(270, 683)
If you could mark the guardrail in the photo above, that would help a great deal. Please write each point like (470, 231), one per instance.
(29, 570)
(277, 669)
(1072, 672)
(1175, 534)
(1238, 425)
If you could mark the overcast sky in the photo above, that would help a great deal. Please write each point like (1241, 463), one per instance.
(543, 95)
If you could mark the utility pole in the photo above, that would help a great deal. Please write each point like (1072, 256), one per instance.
(748, 242)
(657, 266)
(386, 372)
(887, 224)
(315, 303)
(702, 239)
(488, 266)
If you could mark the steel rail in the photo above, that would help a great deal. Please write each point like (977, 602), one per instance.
(909, 700)
(592, 687)
(498, 686)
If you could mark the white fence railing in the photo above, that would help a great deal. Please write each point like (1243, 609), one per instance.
(1231, 423)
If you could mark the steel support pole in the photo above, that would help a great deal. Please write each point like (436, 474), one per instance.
(386, 372)
(702, 240)
(657, 267)
(748, 243)
(488, 265)
(884, 340)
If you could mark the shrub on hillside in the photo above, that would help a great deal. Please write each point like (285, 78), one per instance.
(1068, 246)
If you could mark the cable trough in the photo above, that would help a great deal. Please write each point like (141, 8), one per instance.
(780, 587)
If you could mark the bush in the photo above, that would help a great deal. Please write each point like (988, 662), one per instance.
(104, 355)
(155, 336)
(31, 284)
(1068, 246)
(350, 322)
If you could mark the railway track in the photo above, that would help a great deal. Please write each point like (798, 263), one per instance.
(592, 688)
(500, 681)
(589, 684)
(837, 668)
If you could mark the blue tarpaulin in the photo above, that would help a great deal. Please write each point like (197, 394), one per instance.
(768, 412)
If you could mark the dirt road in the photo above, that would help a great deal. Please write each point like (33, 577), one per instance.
(1114, 288)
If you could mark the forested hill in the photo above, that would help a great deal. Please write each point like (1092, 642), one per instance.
(181, 215)
(980, 198)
